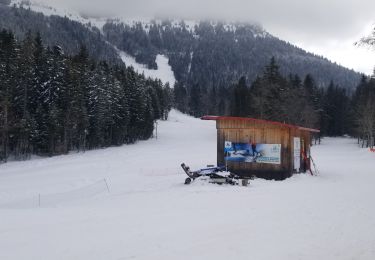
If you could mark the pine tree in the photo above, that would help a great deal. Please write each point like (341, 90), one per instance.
(167, 101)
(195, 101)
(268, 93)
(80, 81)
(363, 112)
(22, 93)
(181, 98)
(336, 107)
(39, 133)
(8, 79)
(240, 99)
(275, 98)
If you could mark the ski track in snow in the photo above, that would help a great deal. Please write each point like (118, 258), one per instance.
(164, 71)
(150, 214)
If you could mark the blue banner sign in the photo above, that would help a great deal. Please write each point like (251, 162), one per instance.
(252, 153)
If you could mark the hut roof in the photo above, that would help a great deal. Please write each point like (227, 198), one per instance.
(261, 121)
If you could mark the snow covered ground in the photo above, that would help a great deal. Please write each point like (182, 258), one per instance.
(164, 71)
(45, 7)
(149, 214)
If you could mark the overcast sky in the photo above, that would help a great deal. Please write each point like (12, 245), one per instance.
(325, 27)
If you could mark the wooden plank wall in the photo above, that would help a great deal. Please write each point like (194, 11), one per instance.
(243, 131)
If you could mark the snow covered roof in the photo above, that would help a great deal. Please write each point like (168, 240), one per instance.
(262, 121)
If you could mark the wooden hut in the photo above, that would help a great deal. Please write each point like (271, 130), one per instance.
(262, 148)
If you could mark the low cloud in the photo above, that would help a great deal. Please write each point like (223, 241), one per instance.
(316, 18)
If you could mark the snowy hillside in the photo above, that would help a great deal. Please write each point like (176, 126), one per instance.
(48, 10)
(164, 71)
(149, 214)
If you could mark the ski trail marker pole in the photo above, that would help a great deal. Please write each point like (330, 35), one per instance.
(106, 184)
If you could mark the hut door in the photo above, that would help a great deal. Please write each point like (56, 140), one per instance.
(297, 153)
(303, 153)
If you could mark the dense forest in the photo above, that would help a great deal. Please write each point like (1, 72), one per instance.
(363, 112)
(332, 109)
(52, 103)
(364, 102)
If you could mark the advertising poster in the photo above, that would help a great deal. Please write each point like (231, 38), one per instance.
(297, 153)
(252, 153)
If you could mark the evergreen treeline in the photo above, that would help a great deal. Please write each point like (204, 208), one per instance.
(291, 100)
(363, 103)
(51, 103)
(363, 112)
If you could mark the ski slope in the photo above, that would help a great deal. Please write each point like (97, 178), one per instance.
(164, 71)
(61, 208)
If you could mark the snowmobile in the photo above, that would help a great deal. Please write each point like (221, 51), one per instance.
(217, 175)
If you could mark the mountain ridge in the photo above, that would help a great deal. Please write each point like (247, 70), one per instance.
(251, 46)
